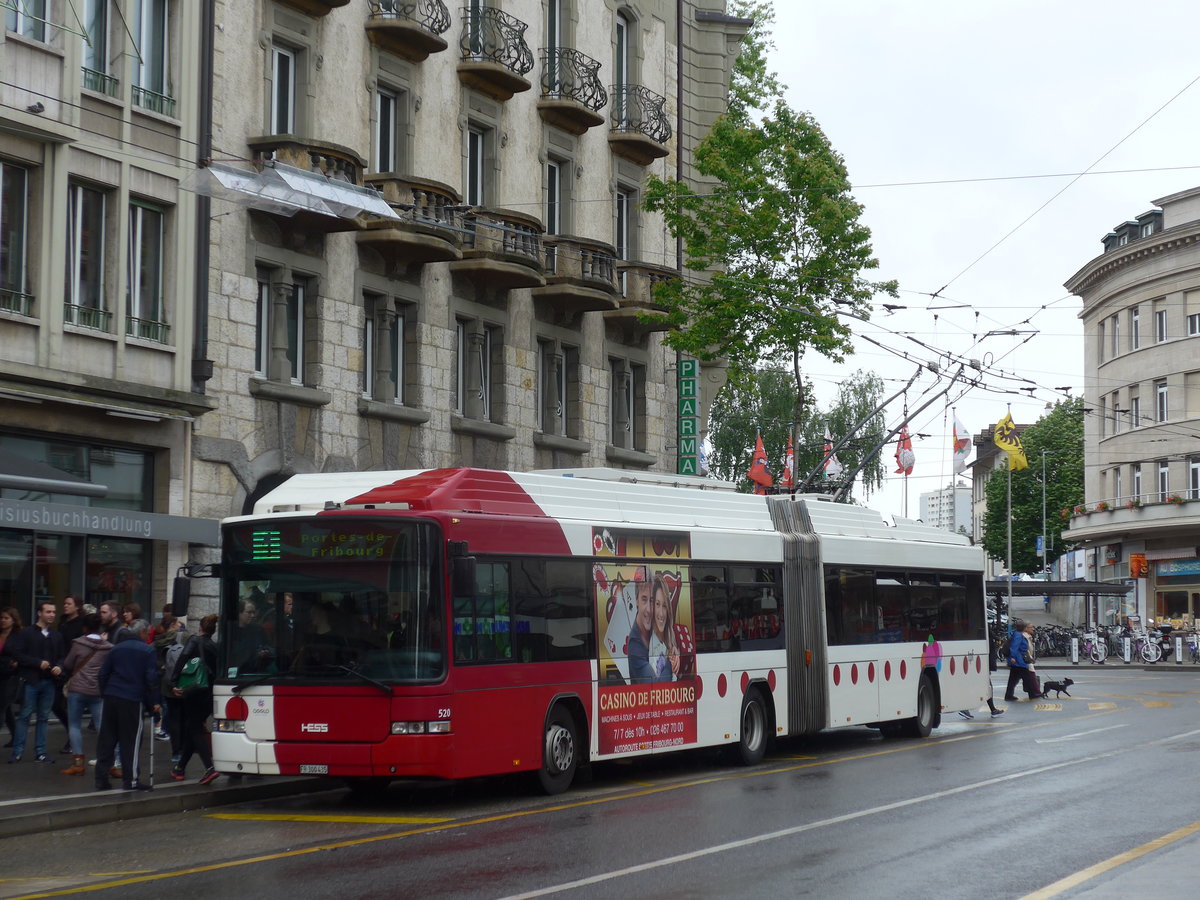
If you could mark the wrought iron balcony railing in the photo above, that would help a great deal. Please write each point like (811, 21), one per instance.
(147, 329)
(494, 35)
(569, 74)
(16, 302)
(100, 82)
(154, 101)
(432, 15)
(637, 108)
(87, 317)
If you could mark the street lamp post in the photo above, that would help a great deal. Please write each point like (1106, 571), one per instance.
(1045, 538)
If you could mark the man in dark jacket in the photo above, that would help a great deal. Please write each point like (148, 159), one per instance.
(39, 652)
(129, 678)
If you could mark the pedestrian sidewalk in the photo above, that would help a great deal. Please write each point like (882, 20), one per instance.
(36, 797)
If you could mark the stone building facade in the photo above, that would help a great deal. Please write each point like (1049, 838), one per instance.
(1141, 314)
(426, 246)
(99, 247)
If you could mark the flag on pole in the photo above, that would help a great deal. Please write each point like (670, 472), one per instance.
(704, 457)
(962, 446)
(787, 481)
(759, 473)
(904, 454)
(1007, 440)
(832, 465)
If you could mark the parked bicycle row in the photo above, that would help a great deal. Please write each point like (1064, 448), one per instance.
(1097, 643)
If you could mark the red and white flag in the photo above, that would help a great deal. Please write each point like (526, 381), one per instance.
(962, 446)
(904, 454)
(786, 481)
(759, 473)
(832, 465)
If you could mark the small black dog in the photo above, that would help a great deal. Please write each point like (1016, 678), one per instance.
(1059, 687)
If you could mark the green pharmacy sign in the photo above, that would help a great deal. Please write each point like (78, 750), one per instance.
(689, 417)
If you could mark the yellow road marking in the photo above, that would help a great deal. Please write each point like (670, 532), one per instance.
(519, 814)
(1065, 884)
(1049, 706)
(339, 820)
(1107, 705)
(1157, 703)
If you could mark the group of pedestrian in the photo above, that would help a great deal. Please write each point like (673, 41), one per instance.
(110, 665)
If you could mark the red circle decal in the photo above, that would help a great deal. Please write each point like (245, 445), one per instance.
(887, 670)
(722, 685)
(699, 683)
(837, 675)
(771, 680)
(871, 672)
(903, 670)
(854, 674)
(745, 681)
(952, 665)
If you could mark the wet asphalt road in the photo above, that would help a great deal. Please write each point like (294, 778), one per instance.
(988, 808)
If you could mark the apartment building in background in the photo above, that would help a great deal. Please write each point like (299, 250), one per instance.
(1141, 315)
(426, 243)
(101, 249)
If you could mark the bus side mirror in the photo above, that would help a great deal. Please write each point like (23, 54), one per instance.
(462, 576)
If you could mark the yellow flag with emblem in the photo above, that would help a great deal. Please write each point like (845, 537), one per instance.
(1007, 440)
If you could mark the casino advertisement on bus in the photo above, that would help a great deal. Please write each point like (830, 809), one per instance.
(647, 692)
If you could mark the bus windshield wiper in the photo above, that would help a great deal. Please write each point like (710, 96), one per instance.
(367, 678)
(262, 679)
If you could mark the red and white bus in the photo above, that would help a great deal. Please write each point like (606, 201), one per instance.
(454, 623)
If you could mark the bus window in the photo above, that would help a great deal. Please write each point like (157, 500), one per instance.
(483, 623)
(756, 615)
(710, 601)
(854, 612)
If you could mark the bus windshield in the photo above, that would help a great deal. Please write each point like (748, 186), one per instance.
(335, 597)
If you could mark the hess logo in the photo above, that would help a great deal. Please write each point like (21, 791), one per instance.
(315, 727)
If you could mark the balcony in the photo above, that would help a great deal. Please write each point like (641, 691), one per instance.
(337, 163)
(315, 8)
(16, 302)
(501, 248)
(572, 94)
(430, 226)
(87, 317)
(637, 313)
(640, 128)
(411, 30)
(580, 275)
(153, 101)
(495, 57)
(100, 82)
(147, 329)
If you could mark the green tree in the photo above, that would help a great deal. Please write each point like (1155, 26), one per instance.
(763, 402)
(1060, 434)
(772, 234)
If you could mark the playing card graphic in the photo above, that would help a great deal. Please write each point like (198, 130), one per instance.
(622, 609)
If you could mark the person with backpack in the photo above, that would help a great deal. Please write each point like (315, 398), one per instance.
(169, 647)
(197, 702)
(84, 660)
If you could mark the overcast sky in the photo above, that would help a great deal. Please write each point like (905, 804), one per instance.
(958, 121)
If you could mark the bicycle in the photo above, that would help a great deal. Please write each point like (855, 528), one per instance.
(1095, 647)
(1147, 647)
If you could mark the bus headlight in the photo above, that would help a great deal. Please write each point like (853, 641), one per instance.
(230, 726)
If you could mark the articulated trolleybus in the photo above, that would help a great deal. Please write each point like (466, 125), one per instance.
(454, 623)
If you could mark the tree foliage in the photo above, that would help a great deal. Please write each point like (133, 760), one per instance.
(764, 402)
(774, 229)
(1060, 434)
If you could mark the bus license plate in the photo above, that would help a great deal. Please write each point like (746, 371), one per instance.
(314, 770)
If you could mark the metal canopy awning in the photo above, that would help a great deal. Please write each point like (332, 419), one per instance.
(23, 474)
(1056, 588)
(285, 191)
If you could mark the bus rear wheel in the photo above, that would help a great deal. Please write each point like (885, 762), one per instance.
(752, 739)
(560, 753)
(921, 724)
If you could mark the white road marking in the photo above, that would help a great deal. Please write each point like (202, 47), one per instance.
(1078, 734)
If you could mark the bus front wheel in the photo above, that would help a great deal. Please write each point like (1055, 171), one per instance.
(752, 741)
(921, 724)
(560, 753)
